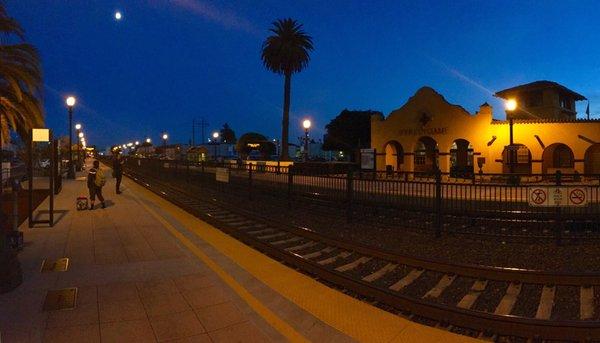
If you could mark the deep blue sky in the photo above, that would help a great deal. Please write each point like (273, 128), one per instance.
(167, 62)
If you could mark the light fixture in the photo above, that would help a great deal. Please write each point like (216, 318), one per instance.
(306, 124)
(510, 104)
(71, 101)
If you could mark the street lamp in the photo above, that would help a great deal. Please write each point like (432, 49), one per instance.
(70, 104)
(306, 124)
(165, 137)
(510, 106)
(137, 142)
(215, 137)
(148, 140)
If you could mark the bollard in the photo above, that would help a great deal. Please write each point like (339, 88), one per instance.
(438, 203)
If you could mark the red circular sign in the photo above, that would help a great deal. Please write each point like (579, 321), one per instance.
(577, 196)
(538, 196)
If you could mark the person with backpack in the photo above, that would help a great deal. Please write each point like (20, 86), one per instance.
(95, 181)
(118, 170)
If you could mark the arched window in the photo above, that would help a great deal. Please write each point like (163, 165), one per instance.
(426, 155)
(516, 159)
(592, 159)
(394, 155)
(461, 159)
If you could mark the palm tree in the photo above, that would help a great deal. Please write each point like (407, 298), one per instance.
(20, 81)
(20, 110)
(286, 52)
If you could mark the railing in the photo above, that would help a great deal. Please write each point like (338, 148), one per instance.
(434, 201)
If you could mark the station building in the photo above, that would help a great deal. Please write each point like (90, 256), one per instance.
(428, 131)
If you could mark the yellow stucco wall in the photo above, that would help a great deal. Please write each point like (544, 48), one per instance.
(448, 123)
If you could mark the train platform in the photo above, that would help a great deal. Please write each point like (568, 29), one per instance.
(144, 270)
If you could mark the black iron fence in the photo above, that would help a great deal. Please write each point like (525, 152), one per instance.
(491, 205)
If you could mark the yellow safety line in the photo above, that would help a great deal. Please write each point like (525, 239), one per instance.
(350, 316)
(280, 325)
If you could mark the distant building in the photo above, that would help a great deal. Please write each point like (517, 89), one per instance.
(427, 132)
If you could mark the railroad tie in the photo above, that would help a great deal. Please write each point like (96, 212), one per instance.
(469, 299)
(289, 240)
(509, 299)
(586, 302)
(318, 253)
(381, 272)
(354, 264)
(332, 259)
(257, 232)
(275, 235)
(437, 290)
(546, 302)
(301, 246)
(407, 280)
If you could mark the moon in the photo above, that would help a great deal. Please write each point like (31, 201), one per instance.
(118, 15)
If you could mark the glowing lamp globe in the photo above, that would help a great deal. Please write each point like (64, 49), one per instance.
(511, 104)
(77, 126)
(306, 124)
(165, 136)
(71, 101)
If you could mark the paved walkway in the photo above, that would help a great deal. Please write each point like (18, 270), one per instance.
(147, 271)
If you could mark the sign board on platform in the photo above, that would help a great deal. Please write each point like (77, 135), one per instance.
(367, 159)
(557, 196)
(222, 175)
(40, 135)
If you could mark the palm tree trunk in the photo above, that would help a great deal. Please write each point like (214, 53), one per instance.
(285, 123)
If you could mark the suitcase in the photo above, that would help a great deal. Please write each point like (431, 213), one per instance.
(82, 203)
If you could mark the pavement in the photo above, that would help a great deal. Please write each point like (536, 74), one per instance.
(147, 271)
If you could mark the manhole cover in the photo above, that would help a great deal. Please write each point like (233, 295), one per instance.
(60, 265)
(61, 299)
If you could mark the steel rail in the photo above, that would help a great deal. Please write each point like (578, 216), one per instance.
(481, 321)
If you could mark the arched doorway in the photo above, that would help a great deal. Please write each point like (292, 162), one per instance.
(557, 156)
(426, 155)
(394, 155)
(592, 159)
(519, 156)
(461, 159)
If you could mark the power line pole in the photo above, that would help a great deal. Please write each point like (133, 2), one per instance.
(203, 124)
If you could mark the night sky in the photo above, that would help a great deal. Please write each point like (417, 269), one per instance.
(167, 62)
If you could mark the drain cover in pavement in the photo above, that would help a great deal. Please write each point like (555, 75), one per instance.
(60, 265)
(61, 299)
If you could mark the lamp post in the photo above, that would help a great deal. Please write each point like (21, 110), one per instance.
(165, 137)
(511, 106)
(81, 140)
(306, 124)
(215, 142)
(70, 104)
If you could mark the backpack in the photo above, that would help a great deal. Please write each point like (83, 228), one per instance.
(100, 180)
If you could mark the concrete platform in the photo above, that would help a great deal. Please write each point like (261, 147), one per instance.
(147, 271)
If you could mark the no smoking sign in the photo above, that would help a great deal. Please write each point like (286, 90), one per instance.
(557, 196)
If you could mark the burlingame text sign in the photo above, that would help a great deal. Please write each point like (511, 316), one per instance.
(222, 175)
(557, 196)
(367, 159)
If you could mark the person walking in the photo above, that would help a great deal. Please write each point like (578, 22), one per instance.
(95, 181)
(118, 170)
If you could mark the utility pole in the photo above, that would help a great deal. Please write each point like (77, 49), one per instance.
(203, 124)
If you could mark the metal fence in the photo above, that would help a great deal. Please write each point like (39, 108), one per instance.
(436, 201)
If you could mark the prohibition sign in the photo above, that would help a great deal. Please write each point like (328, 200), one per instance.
(538, 196)
(577, 196)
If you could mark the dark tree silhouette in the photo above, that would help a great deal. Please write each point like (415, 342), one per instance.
(227, 134)
(349, 131)
(286, 52)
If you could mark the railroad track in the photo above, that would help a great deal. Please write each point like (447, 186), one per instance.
(501, 304)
